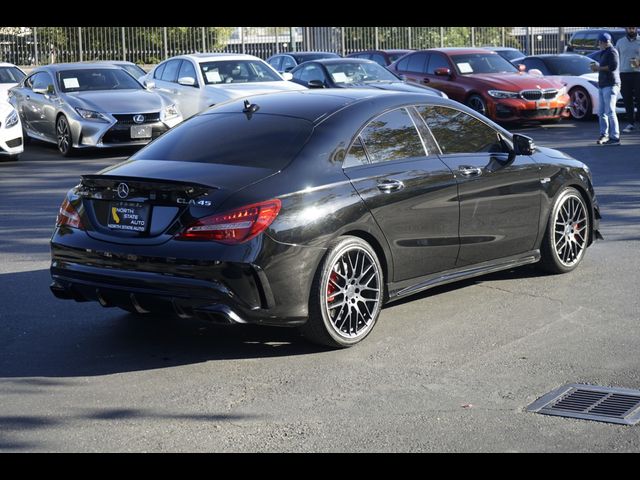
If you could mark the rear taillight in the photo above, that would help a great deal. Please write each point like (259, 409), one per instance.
(68, 216)
(235, 226)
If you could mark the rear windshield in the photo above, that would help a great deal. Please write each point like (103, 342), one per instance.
(263, 141)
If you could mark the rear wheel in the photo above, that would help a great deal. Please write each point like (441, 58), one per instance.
(346, 295)
(580, 105)
(567, 234)
(63, 135)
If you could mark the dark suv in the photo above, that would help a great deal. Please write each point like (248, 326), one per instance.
(586, 41)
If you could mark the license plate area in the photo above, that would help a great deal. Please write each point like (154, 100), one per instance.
(542, 104)
(128, 216)
(141, 131)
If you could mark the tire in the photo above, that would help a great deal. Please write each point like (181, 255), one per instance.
(477, 103)
(64, 139)
(580, 105)
(346, 294)
(567, 233)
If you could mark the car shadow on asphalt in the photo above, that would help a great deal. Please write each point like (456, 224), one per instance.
(42, 336)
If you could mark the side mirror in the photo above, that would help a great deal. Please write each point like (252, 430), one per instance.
(149, 84)
(522, 67)
(523, 145)
(287, 76)
(443, 72)
(315, 84)
(403, 77)
(187, 81)
(536, 73)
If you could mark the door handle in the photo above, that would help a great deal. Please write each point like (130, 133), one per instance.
(468, 171)
(425, 80)
(388, 186)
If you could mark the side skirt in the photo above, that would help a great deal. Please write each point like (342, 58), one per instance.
(409, 287)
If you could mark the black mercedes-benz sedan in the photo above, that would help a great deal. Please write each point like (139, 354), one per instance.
(315, 208)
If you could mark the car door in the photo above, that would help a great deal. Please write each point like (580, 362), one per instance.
(415, 66)
(307, 72)
(166, 78)
(499, 193)
(444, 83)
(410, 192)
(276, 62)
(288, 63)
(190, 98)
(39, 108)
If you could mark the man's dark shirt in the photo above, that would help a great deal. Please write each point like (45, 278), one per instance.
(609, 58)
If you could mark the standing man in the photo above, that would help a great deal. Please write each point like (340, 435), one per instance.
(629, 49)
(609, 87)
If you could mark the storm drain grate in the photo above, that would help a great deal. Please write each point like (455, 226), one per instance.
(589, 402)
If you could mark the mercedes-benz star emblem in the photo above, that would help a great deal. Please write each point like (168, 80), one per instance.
(138, 118)
(123, 190)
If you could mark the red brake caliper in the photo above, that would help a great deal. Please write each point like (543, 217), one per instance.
(331, 288)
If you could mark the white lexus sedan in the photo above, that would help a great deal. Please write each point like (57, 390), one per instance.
(196, 82)
(11, 142)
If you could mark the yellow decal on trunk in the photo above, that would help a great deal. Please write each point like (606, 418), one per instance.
(114, 214)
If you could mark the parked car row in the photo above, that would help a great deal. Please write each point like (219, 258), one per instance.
(96, 105)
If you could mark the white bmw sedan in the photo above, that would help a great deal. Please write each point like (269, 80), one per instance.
(196, 82)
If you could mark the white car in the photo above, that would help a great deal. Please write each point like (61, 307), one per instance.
(196, 82)
(575, 72)
(11, 143)
(10, 76)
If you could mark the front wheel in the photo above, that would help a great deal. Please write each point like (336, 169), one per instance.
(64, 138)
(346, 295)
(478, 104)
(567, 233)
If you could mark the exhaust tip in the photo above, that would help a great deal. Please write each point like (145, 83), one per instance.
(136, 305)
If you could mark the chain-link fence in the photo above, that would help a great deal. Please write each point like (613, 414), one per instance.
(30, 46)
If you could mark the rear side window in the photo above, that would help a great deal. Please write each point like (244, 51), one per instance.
(170, 73)
(392, 136)
(158, 72)
(459, 132)
(263, 141)
(403, 64)
(417, 62)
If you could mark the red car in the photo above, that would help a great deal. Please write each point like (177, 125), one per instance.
(486, 82)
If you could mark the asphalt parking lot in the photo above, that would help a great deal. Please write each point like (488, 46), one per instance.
(449, 370)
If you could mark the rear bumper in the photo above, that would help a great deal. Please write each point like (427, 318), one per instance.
(272, 289)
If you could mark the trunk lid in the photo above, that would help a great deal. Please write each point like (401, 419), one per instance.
(146, 202)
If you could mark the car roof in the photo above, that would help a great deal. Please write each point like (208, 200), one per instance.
(204, 57)
(552, 55)
(335, 61)
(459, 50)
(315, 105)
(5, 64)
(59, 67)
(501, 49)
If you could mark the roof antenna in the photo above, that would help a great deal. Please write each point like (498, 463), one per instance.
(250, 108)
